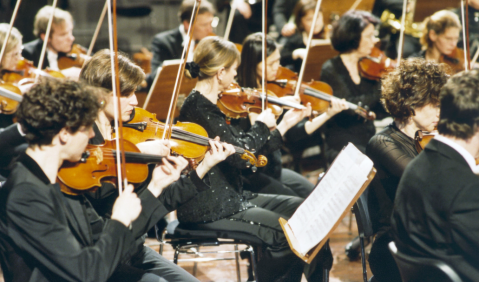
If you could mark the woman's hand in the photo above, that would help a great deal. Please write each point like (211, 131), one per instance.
(288, 29)
(299, 53)
(336, 106)
(127, 206)
(268, 118)
(166, 173)
(218, 152)
(292, 117)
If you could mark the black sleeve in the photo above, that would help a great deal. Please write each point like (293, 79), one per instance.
(159, 51)
(292, 43)
(282, 10)
(11, 144)
(34, 225)
(388, 154)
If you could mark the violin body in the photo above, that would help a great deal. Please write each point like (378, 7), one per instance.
(237, 102)
(7, 105)
(25, 73)
(421, 139)
(98, 165)
(75, 58)
(455, 60)
(145, 127)
(375, 65)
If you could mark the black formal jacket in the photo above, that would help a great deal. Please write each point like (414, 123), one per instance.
(436, 210)
(165, 45)
(11, 144)
(226, 195)
(391, 151)
(32, 51)
(47, 236)
(347, 126)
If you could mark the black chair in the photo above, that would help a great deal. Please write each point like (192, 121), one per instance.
(415, 269)
(365, 226)
(188, 238)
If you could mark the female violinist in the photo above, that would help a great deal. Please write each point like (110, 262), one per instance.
(293, 51)
(410, 94)
(249, 75)
(97, 72)
(228, 206)
(439, 40)
(13, 53)
(353, 37)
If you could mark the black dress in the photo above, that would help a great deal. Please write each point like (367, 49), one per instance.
(347, 126)
(391, 151)
(226, 206)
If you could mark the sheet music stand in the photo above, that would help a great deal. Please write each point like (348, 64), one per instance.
(320, 52)
(159, 98)
(314, 251)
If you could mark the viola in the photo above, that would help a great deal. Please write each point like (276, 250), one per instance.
(375, 65)
(75, 58)
(236, 102)
(317, 93)
(189, 140)
(455, 60)
(98, 164)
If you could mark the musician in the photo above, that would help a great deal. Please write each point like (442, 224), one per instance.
(97, 72)
(390, 39)
(13, 53)
(227, 206)
(440, 37)
(168, 45)
(249, 75)
(410, 93)
(47, 235)
(282, 11)
(11, 144)
(435, 211)
(473, 13)
(353, 37)
(60, 41)
(294, 48)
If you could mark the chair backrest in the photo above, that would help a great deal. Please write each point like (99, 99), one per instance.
(363, 218)
(416, 269)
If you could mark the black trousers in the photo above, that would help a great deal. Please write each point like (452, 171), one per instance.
(381, 261)
(148, 266)
(277, 262)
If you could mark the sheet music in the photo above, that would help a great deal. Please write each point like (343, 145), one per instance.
(317, 215)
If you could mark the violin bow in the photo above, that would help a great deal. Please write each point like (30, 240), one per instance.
(465, 25)
(264, 56)
(181, 71)
(97, 31)
(120, 154)
(355, 4)
(308, 46)
(7, 36)
(401, 32)
(45, 41)
(230, 20)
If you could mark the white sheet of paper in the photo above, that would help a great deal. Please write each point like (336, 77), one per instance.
(316, 216)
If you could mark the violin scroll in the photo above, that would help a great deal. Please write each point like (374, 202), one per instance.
(261, 161)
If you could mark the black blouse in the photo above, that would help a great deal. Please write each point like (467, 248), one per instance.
(347, 126)
(292, 43)
(226, 195)
(391, 151)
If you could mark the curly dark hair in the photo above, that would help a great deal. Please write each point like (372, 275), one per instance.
(414, 84)
(459, 98)
(55, 104)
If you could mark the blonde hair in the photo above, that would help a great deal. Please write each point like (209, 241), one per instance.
(43, 16)
(212, 54)
(439, 22)
(14, 39)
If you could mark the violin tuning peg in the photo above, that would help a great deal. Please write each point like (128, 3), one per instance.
(254, 168)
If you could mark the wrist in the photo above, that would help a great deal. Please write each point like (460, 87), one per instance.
(201, 170)
(155, 188)
(282, 128)
(123, 221)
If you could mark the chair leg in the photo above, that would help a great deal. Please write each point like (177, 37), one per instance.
(363, 259)
(163, 234)
(177, 254)
(195, 264)
(238, 273)
(325, 275)
(253, 266)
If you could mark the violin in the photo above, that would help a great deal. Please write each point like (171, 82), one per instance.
(422, 138)
(75, 58)
(317, 93)
(455, 60)
(189, 140)
(9, 99)
(25, 72)
(375, 65)
(236, 102)
(98, 164)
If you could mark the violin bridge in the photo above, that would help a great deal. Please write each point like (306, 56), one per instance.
(97, 153)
